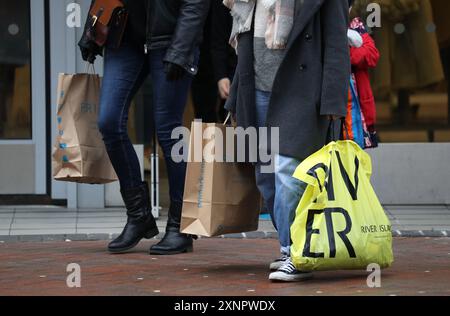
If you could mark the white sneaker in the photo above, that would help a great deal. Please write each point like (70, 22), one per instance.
(278, 263)
(288, 273)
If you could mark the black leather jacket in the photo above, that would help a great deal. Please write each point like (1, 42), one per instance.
(177, 25)
(173, 24)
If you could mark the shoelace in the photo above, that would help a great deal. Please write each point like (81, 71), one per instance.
(288, 267)
(283, 258)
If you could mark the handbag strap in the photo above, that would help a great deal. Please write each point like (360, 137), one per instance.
(331, 133)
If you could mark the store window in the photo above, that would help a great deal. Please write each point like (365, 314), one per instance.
(410, 82)
(15, 82)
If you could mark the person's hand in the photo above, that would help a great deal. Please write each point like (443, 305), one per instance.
(87, 55)
(354, 38)
(224, 88)
(173, 72)
(88, 49)
(334, 117)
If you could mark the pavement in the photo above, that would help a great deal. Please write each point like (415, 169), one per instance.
(218, 267)
(50, 223)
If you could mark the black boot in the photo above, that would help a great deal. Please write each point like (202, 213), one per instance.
(140, 224)
(174, 242)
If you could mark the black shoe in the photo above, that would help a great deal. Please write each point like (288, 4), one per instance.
(174, 242)
(140, 224)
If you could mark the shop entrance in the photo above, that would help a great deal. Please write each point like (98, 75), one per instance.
(23, 152)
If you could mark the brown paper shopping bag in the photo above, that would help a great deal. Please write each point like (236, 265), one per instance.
(220, 197)
(79, 154)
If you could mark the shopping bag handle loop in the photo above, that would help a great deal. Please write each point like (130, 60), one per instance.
(88, 66)
(331, 134)
(229, 118)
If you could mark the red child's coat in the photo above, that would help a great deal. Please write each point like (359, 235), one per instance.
(362, 59)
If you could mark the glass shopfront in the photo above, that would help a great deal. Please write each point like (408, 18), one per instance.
(410, 82)
(15, 70)
(23, 111)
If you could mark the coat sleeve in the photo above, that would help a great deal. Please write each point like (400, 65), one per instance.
(220, 35)
(366, 56)
(231, 103)
(193, 14)
(336, 58)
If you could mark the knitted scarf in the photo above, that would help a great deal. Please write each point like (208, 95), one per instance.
(279, 23)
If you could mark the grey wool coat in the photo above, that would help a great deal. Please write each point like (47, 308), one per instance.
(311, 83)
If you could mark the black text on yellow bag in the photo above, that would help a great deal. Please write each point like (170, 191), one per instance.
(339, 223)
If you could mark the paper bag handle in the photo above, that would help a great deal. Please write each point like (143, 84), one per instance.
(88, 66)
(229, 118)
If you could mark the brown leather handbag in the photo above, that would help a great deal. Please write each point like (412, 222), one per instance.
(109, 19)
(105, 26)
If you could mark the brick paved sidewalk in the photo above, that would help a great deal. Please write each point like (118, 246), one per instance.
(217, 267)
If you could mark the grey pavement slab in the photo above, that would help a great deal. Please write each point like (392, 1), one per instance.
(46, 231)
(5, 224)
(41, 208)
(418, 208)
(425, 222)
(31, 214)
(6, 238)
(43, 223)
(102, 215)
(114, 225)
(424, 212)
(76, 237)
(419, 227)
(99, 230)
(92, 220)
(40, 220)
(6, 216)
(421, 217)
(102, 210)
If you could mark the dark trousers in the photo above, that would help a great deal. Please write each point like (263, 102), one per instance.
(125, 70)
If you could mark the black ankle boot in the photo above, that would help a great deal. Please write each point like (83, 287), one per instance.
(174, 242)
(140, 224)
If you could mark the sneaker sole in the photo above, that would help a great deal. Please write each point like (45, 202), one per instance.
(152, 233)
(282, 278)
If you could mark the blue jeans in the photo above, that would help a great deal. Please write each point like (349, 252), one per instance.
(125, 71)
(280, 190)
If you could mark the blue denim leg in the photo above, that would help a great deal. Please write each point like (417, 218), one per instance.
(289, 191)
(170, 99)
(264, 181)
(125, 70)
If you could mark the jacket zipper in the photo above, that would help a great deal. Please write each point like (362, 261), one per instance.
(146, 45)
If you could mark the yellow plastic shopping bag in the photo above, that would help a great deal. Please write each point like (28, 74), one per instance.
(339, 223)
